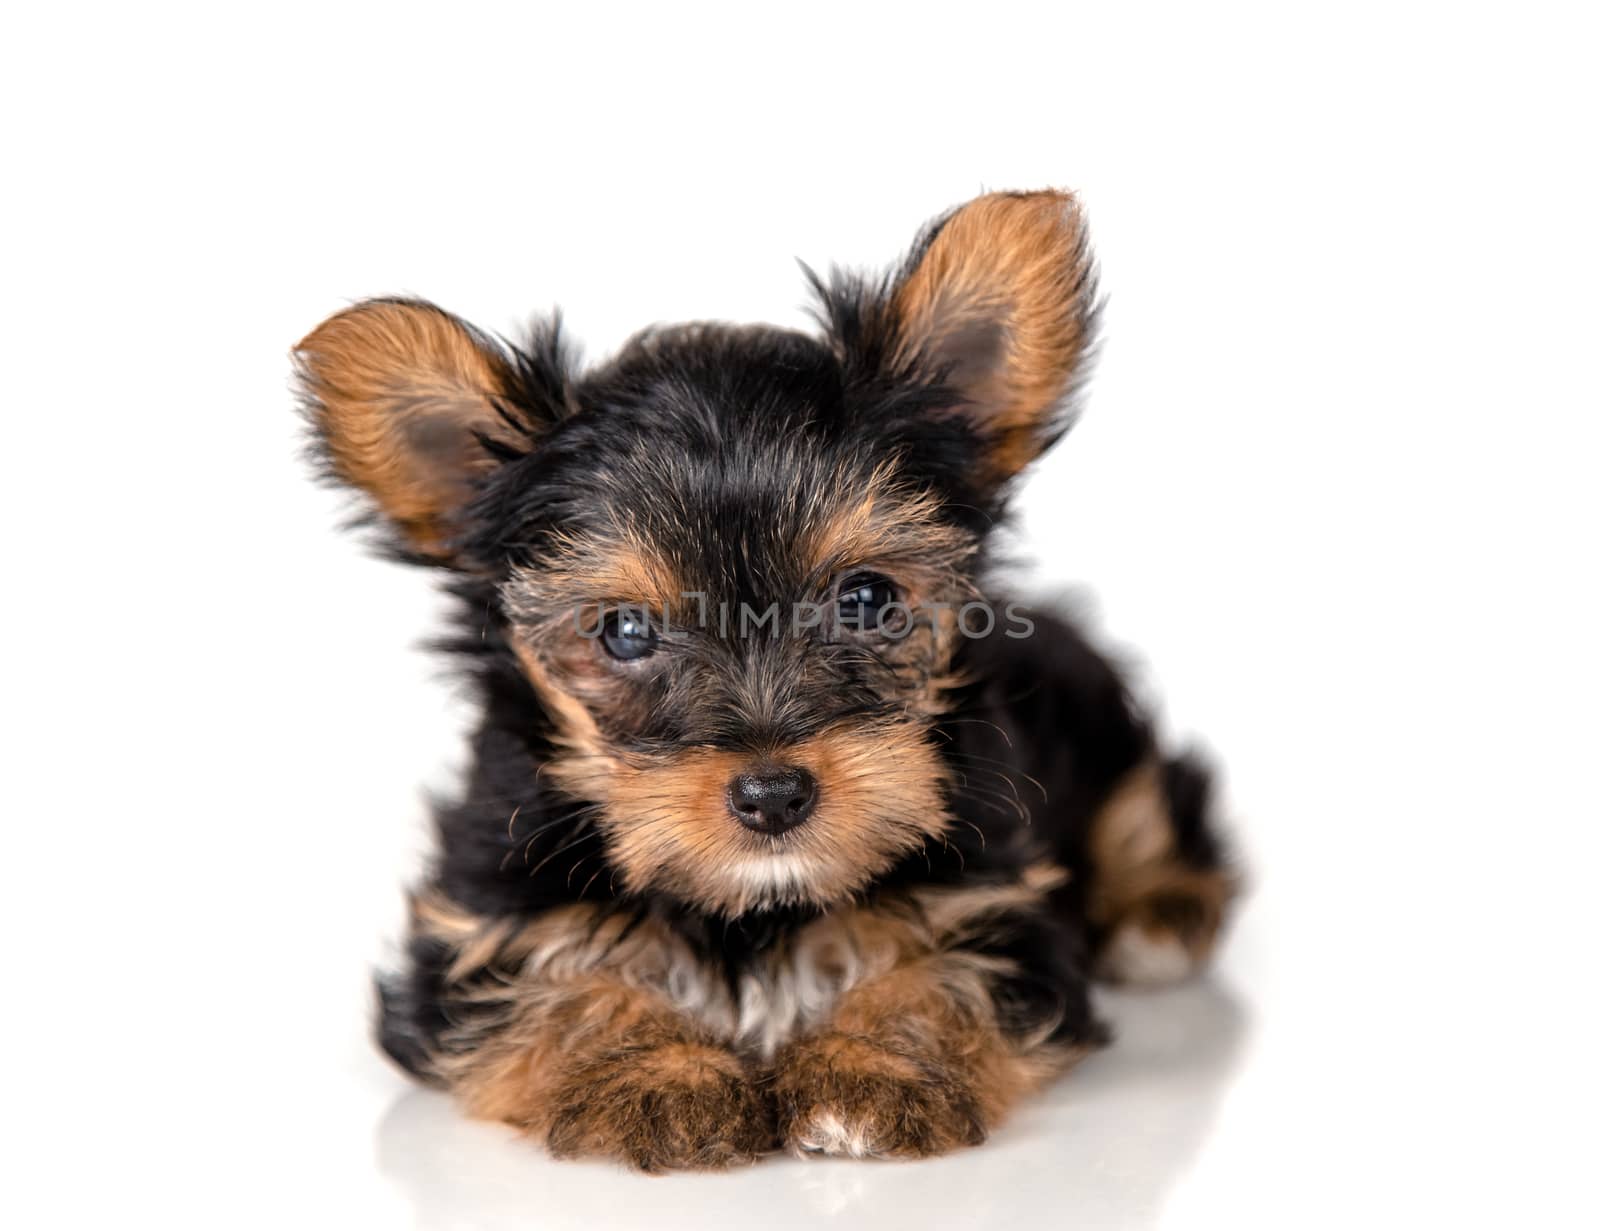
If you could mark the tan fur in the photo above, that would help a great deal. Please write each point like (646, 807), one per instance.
(888, 529)
(595, 569)
(597, 1034)
(957, 913)
(792, 990)
(1017, 262)
(397, 389)
(588, 763)
(606, 1069)
(666, 823)
(880, 792)
(911, 1063)
(869, 1021)
(597, 1037)
(1140, 883)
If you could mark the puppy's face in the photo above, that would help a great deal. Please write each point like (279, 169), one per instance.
(730, 561)
(743, 631)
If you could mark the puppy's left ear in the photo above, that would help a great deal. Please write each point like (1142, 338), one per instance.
(410, 406)
(996, 302)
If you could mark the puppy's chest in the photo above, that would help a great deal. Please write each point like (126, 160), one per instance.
(765, 999)
(759, 1001)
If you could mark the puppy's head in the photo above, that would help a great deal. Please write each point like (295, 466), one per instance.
(733, 562)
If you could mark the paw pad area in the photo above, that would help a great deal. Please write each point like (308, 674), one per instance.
(1147, 958)
(1168, 930)
(832, 1133)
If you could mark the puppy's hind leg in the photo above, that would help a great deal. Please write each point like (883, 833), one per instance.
(1160, 885)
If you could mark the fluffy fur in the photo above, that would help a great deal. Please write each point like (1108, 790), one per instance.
(602, 954)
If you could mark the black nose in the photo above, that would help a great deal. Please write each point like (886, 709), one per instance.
(772, 799)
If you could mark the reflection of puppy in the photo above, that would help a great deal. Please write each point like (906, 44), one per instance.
(780, 832)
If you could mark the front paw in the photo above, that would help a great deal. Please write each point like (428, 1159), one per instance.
(842, 1094)
(677, 1105)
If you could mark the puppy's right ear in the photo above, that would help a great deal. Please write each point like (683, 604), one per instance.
(409, 404)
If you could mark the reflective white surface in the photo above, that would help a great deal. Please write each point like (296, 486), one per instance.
(1334, 497)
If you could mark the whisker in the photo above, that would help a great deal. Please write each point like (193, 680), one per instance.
(565, 846)
(979, 722)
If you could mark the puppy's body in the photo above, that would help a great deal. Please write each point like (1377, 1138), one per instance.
(782, 849)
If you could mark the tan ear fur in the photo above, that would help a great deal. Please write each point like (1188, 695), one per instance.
(397, 390)
(1003, 297)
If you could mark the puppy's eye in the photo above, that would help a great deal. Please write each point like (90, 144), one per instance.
(627, 635)
(863, 598)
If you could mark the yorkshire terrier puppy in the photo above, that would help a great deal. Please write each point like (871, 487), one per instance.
(782, 830)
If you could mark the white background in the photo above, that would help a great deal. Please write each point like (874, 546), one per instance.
(1335, 493)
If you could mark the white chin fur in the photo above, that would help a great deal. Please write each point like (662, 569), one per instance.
(776, 877)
